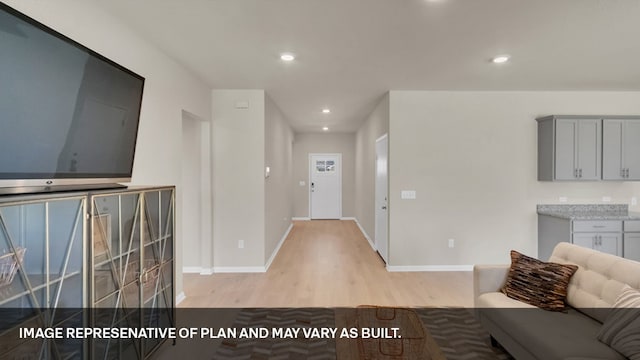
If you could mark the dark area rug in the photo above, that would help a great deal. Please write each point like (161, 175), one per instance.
(455, 331)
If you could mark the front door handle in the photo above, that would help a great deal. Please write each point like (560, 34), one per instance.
(384, 207)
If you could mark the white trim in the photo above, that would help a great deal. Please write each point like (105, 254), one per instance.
(180, 297)
(206, 271)
(366, 236)
(348, 218)
(197, 270)
(430, 268)
(277, 249)
(239, 269)
(339, 155)
(300, 218)
(191, 269)
(382, 137)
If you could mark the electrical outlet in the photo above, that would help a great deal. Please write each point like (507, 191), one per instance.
(606, 199)
(451, 243)
(240, 244)
(634, 201)
(563, 199)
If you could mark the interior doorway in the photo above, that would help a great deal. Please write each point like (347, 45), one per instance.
(381, 197)
(325, 186)
(196, 200)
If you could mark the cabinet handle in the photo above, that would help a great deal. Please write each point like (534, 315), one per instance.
(627, 172)
(622, 172)
(580, 173)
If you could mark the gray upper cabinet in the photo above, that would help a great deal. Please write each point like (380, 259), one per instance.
(621, 149)
(569, 148)
(578, 148)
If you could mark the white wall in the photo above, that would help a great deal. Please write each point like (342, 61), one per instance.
(376, 125)
(238, 178)
(278, 156)
(472, 158)
(306, 143)
(169, 89)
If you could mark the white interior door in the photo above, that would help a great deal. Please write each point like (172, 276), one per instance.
(325, 186)
(381, 201)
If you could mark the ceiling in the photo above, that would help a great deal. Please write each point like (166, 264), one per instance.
(350, 52)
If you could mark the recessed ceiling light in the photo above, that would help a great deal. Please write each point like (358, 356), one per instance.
(500, 59)
(326, 128)
(287, 57)
(326, 111)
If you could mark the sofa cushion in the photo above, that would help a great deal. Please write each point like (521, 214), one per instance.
(551, 335)
(500, 301)
(599, 279)
(621, 329)
(538, 283)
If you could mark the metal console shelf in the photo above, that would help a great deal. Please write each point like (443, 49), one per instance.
(86, 259)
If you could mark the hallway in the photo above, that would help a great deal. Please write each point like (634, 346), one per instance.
(326, 263)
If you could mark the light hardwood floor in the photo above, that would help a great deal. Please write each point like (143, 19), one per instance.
(328, 263)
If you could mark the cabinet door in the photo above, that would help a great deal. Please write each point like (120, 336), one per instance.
(578, 153)
(631, 249)
(565, 145)
(588, 151)
(612, 149)
(631, 157)
(587, 240)
(610, 243)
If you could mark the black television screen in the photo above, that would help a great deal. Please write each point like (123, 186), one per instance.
(67, 114)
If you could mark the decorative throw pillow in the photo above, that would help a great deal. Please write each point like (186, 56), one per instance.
(621, 329)
(539, 283)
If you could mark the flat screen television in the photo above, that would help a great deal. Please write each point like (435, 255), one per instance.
(68, 115)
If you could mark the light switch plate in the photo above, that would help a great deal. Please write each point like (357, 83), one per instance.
(302, 183)
(408, 194)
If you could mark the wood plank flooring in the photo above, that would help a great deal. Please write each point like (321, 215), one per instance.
(327, 263)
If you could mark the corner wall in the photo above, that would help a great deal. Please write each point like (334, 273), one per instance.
(376, 125)
(238, 184)
(278, 156)
(472, 159)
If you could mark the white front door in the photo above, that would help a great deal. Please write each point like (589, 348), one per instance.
(381, 193)
(325, 186)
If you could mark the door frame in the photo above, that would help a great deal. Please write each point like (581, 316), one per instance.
(375, 201)
(311, 155)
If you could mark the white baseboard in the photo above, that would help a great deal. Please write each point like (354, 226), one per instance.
(300, 218)
(239, 269)
(373, 246)
(348, 218)
(197, 270)
(191, 270)
(277, 249)
(206, 271)
(430, 268)
(180, 297)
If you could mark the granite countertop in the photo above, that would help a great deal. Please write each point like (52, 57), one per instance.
(589, 211)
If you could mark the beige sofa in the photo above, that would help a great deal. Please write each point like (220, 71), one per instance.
(527, 332)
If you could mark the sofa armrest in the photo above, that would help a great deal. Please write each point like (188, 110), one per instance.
(488, 278)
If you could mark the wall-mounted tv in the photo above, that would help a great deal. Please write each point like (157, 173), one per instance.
(68, 115)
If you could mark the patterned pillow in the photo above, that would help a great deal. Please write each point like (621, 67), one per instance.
(538, 283)
(621, 329)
